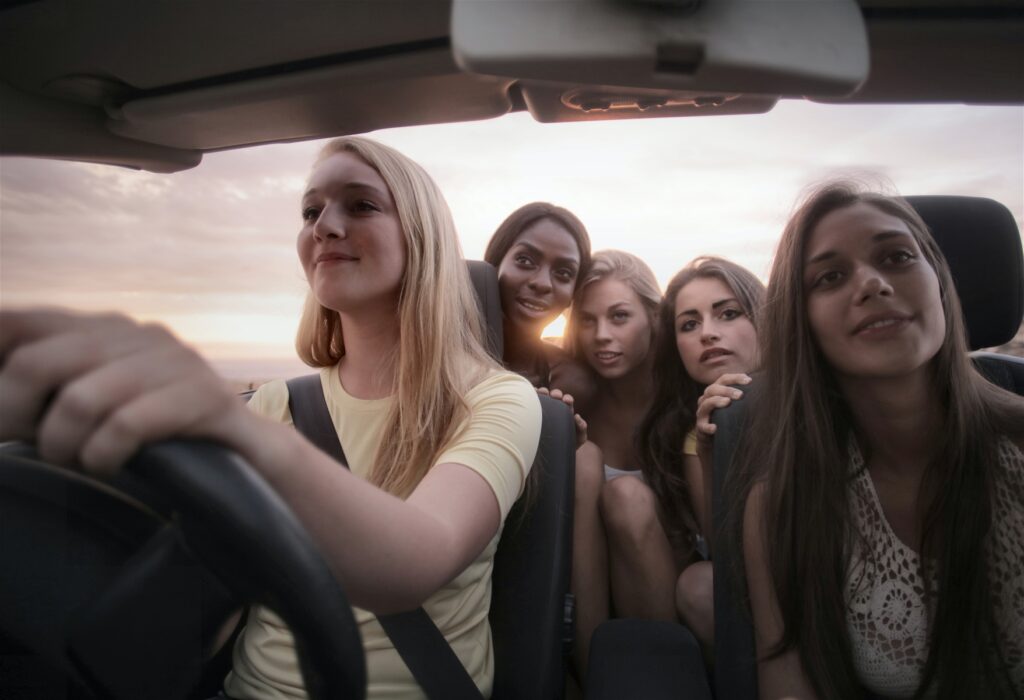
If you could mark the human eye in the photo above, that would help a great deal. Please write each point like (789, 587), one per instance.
(310, 213)
(899, 257)
(687, 326)
(565, 274)
(731, 313)
(621, 316)
(826, 279)
(523, 260)
(364, 206)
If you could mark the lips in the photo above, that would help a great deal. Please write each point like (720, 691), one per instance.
(605, 356)
(532, 305)
(880, 323)
(334, 256)
(714, 353)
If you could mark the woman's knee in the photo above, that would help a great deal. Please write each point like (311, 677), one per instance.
(589, 472)
(628, 508)
(695, 590)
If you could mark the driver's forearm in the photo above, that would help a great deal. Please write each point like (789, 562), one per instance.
(389, 554)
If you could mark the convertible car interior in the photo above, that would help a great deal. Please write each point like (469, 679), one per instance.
(118, 589)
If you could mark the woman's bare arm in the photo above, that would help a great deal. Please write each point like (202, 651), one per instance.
(781, 676)
(89, 391)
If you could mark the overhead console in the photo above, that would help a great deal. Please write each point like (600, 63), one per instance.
(586, 59)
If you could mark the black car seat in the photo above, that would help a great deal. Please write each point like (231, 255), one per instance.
(530, 585)
(982, 244)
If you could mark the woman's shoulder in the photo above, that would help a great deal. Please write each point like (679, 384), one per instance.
(554, 354)
(271, 400)
(501, 383)
(571, 376)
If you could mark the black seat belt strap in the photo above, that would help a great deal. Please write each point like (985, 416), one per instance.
(414, 635)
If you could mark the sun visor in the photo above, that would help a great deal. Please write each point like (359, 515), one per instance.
(703, 51)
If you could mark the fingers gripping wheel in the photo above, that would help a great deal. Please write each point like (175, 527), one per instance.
(125, 601)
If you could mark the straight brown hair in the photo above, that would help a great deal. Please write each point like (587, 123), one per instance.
(797, 450)
(673, 412)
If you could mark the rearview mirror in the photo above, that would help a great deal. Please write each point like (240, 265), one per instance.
(696, 48)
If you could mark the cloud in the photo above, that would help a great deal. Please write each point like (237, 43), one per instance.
(219, 239)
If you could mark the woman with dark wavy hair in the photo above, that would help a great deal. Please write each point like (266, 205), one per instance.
(706, 341)
(882, 488)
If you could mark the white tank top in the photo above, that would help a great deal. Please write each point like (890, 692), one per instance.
(885, 609)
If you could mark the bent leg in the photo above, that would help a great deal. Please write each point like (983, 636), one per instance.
(590, 553)
(641, 565)
(695, 602)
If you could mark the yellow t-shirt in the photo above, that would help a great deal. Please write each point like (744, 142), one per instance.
(499, 443)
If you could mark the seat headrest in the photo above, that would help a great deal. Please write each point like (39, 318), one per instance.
(485, 283)
(982, 244)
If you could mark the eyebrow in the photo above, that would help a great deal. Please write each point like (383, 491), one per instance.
(714, 307)
(614, 307)
(877, 238)
(349, 186)
(540, 253)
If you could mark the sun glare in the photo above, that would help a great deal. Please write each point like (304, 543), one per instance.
(555, 329)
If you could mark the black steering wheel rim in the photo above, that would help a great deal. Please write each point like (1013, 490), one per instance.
(235, 525)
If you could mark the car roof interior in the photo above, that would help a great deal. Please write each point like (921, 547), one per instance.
(154, 85)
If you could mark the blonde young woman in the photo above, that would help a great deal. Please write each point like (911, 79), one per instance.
(439, 439)
(613, 330)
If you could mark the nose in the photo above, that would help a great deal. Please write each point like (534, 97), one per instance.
(540, 283)
(709, 334)
(871, 283)
(601, 331)
(329, 224)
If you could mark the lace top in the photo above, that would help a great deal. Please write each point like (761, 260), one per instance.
(885, 609)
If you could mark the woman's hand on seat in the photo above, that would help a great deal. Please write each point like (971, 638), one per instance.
(717, 395)
(91, 389)
(568, 400)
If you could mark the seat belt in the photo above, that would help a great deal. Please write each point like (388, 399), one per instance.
(414, 635)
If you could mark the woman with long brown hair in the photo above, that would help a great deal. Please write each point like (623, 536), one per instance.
(706, 341)
(882, 488)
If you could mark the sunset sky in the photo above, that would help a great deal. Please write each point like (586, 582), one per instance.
(210, 251)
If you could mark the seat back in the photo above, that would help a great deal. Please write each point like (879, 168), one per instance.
(531, 567)
(982, 244)
(485, 283)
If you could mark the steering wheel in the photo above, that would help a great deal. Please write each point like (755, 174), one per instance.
(123, 585)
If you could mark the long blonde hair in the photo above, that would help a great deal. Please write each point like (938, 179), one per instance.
(440, 353)
(628, 269)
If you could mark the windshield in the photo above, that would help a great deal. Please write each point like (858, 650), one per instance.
(210, 251)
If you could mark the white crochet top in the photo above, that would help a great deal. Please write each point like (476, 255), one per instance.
(886, 615)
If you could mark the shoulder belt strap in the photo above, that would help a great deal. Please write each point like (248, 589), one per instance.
(415, 636)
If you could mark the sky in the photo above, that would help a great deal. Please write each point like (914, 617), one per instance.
(210, 251)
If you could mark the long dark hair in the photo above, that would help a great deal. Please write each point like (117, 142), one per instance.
(672, 414)
(797, 451)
